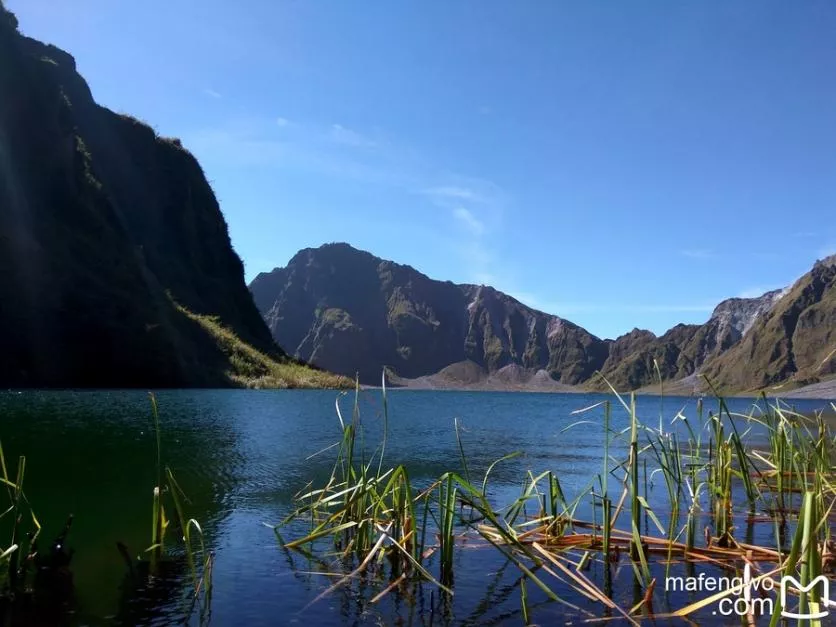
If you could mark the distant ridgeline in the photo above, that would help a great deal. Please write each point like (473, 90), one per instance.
(349, 311)
(113, 250)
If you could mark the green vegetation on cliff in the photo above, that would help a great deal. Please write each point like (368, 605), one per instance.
(253, 369)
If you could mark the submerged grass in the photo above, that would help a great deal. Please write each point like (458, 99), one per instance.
(198, 559)
(17, 558)
(374, 518)
(33, 580)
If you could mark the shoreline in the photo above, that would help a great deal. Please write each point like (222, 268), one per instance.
(822, 391)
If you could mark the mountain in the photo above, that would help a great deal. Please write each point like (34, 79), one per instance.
(351, 312)
(116, 267)
(793, 343)
(682, 351)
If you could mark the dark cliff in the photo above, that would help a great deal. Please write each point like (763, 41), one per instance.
(113, 250)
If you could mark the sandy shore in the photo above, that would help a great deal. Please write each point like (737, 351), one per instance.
(825, 390)
(468, 377)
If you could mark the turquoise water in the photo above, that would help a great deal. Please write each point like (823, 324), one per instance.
(242, 455)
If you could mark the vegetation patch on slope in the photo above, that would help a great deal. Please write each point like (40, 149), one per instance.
(251, 368)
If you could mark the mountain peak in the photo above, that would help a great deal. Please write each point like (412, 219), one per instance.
(827, 261)
(348, 311)
(739, 314)
(331, 249)
(791, 341)
(344, 247)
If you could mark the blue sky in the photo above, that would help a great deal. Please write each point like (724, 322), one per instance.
(618, 164)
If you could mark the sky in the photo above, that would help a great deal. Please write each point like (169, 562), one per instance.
(621, 164)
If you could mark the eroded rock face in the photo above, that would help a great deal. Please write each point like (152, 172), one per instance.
(735, 316)
(684, 349)
(794, 341)
(102, 225)
(352, 312)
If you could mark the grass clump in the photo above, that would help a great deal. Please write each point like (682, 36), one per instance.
(251, 368)
(35, 583)
(199, 561)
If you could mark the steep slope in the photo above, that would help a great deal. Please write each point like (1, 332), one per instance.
(631, 362)
(110, 237)
(683, 350)
(349, 311)
(793, 343)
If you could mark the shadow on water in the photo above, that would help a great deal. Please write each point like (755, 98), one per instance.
(152, 598)
(50, 597)
(94, 454)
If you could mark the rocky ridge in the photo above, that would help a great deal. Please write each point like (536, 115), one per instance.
(352, 312)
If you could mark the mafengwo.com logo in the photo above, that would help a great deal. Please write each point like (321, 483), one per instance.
(747, 595)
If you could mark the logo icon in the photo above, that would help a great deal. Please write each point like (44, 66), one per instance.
(786, 581)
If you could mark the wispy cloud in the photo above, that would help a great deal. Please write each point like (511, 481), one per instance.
(237, 146)
(335, 149)
(246, 148)
(473, 247)
(458, 191)
(468, 210)
(698, 253)
(212, 93)
(534, 301)
(478, 260)
(566, 308)
(283, 144)
(470, 222)
(476, 206)
(342, 135)
(451, 193)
